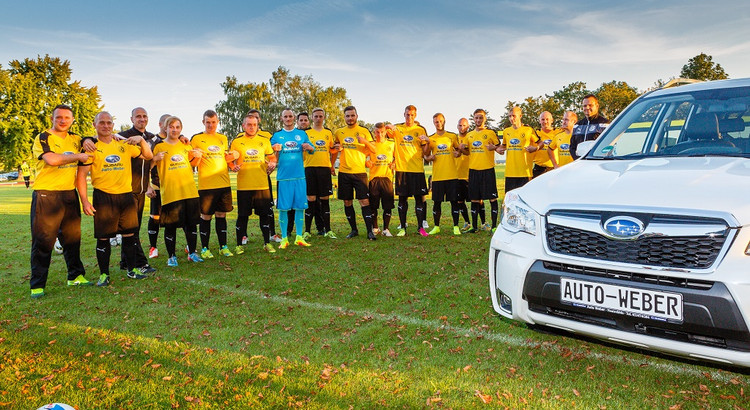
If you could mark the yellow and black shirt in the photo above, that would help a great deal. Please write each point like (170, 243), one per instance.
(353, 154)
(213, 171)
(444, 165)
(55, 178)
(175, 172)
(253, 152)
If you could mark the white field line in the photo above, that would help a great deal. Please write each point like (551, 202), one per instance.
(516, 341)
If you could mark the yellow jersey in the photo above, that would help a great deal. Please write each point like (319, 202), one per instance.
(353, 154)
(444, 165)
(175, 172)
(409, 147)
(517, 160)
(60, 177)
(541, 157)
(111, 169)
(561, 146)
(381, 160)
(322, 141)
(481, 157)
(462, 161)
(252, 175)
(213, 171)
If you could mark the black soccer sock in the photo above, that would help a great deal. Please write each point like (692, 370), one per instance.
(374, 217)
(153, 231)
(474, 214)
(493, 213)
(191, 233)
(128, 247)
(420, 209)
(350, 216)
(170, 239)
(324, 210)
(290, 215)
(265, 228)
(221, 230)
(367, 216)
(272, 219)
(437, 212)
(386, 218)
(403, 207)
(455, 212)
(481, 212)
(311, 213)
(205, 227)
(464, 211)
(103, 252)
(240, 227)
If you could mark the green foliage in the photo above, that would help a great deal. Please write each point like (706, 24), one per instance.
(300, 93)
(614, 96)
(701, 67)
(29, 90)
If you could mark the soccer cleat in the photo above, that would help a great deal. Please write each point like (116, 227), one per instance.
(486, 227)
(387, 233)
(136, 274)
(456, 230)
(103, 280)
(352, 234)
(269, 248)
(284, 243)
(322, 233)
(375, 231)
(401, 232)
(206, 253)
(466, 226)
(306, 236)
(146, 269)
(423, 232)
(37, 293)
(434, 230)
(194, 257)
(153, 253)
(187, 250)
(276, 238)
(494, 229)
(300, 241)
(224, 251)
(58, 247)
(371, 236)
(472, 230)
(244, 240)
(79, 281)
(331, 235)
(172, 261)
(425, 225)
(239, 249)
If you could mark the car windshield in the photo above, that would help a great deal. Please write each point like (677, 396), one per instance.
(701, 123)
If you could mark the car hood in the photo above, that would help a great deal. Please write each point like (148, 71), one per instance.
(716, 186)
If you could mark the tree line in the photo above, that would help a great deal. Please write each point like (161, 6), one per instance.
(31, 88)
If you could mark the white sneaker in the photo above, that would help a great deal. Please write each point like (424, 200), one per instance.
(375, 231)
(276, 238)
(387, 233)
(425, 225)
(58, 247)
(153, 253)
(244, 240)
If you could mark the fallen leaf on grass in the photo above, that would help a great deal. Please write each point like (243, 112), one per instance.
(485, 398)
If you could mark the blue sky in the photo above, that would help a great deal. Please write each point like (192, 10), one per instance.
(442, 56)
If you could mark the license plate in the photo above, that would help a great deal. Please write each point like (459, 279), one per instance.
(647, 304)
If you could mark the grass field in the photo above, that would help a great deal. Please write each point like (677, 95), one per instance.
(400, 322)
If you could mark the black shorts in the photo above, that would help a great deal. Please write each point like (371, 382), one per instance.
(349, 183)
(185, 212)
(215, 200)
(515, 182)
(155, 207)
(539, 170)
(26, 179)
(115, 213)
(462, 190)
(445, 190)
(318, 180)
(253, 200)
(410, 184)
(482, 184)
(381, 192)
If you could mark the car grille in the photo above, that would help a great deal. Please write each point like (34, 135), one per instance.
(687, 252)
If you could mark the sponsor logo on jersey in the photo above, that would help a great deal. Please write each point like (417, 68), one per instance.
(476, 144)
(251, 152)
(382, 157)
(176, 158)
(546, 142)
(565, 147)
(214, 148)
(514, 141)
(348, 140)
(112, 159)
(291, 144)
(68, 153)
(408, 138)
(442, 146)
(320, 143)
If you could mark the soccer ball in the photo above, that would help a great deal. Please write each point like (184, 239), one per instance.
(56, 406)
(58, 247)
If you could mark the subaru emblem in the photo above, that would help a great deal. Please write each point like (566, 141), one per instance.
(623, 227)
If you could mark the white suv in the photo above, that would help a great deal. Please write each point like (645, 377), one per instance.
(644, 240)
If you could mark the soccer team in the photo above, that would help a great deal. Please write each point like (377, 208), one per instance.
(124, 168)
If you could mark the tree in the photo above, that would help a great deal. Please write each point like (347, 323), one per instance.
(29, 90)
(300, 93)
(701, 67)
(614, 96)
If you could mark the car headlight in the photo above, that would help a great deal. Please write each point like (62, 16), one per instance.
(517, 216)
